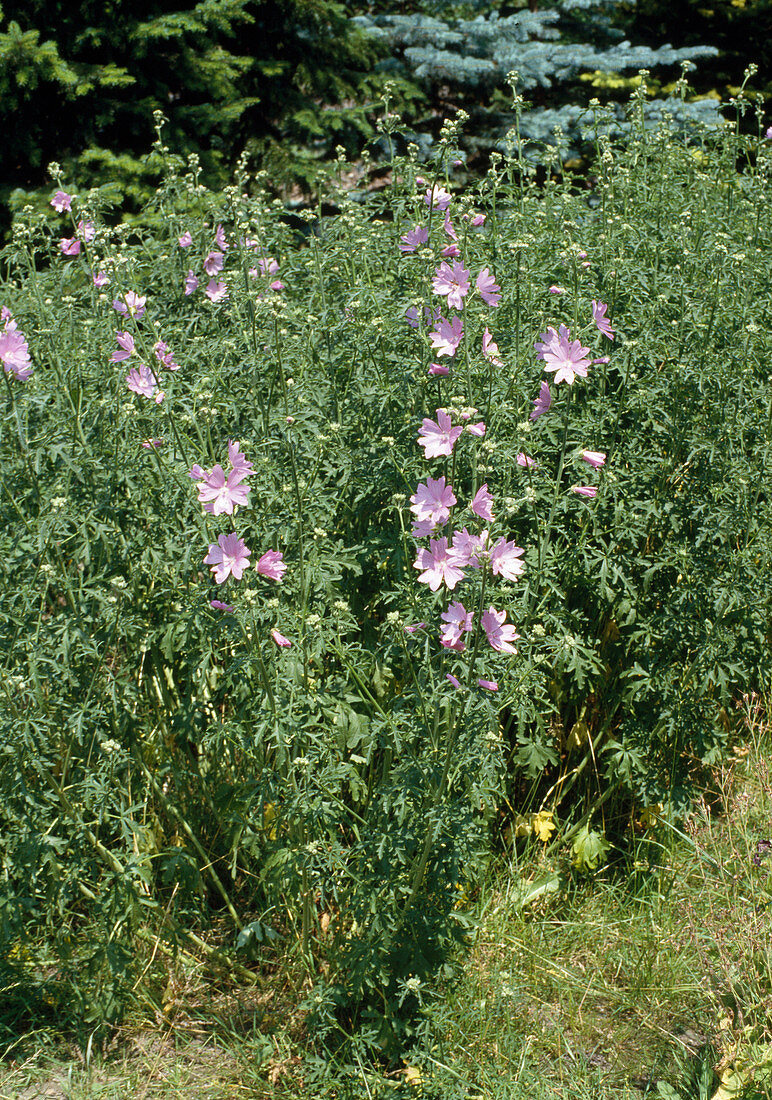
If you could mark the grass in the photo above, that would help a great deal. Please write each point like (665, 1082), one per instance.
(653, 978)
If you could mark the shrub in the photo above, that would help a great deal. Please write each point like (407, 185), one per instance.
(322, 748)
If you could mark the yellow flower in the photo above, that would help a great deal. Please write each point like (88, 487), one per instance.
(543, 825)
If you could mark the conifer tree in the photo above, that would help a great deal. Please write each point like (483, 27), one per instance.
(563, 52)
(79, 80)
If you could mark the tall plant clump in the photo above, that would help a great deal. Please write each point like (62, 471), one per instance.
(328, 547)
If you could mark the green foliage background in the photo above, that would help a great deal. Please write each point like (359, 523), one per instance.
(79, 83)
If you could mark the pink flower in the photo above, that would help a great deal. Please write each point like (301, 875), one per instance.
(238, 459)
(185, 241)
(542, 402)
(152, 444)
(562, 355)
(585, 490)
(476, 429)
(505, 560)
(423, 528)
(86, 231)
(70, 246)
(603, 359)
(271, 565)
(164, 356)
(197, 472)
(412, 240)
(458, 622)
(453, 679)
(768, 134)
(448, 227)
(220, 494)
(101, 279)
(126, 346)
(601, 320)
(191, 282)
(14, 352)
(557, 290)
(488, 288)
(268, 266)
(229, 558)
(141, 380)
(219, 238)
(438, 368)
(131, 306)
(447, 336)
(414, 627)
(491, 349)
(450, 252)
(216, 291)
(524, 460)
(280, 640)
(437, 197)
(438, 438)
(594, 458)
(432, 501)
(481, 504)
(430, 316)
(213, 263)
(489, 685)
(218, 605)
(449, 640)
(61, 202)
(439, 565)
(453, 282)
(468, 548)
(478, 221)
(499, 635)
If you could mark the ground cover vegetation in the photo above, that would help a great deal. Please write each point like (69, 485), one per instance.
(341, 553)
(652, 982)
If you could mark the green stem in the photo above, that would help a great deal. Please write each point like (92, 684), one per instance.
(544, 543)
(207, 865)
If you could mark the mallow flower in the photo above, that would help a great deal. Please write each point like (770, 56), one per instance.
(271, 565)
(141, 380)
(439, 565)
(229, 557)
(14, 353)
(566, 357)
(453, 282)
(601, 320)
(219, 494)
(447, 336)
(432, 501)
(438, 437)
(542, 402)
(500, 636)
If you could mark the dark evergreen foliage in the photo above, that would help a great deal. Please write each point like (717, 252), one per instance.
(740, 29)
(79, 82)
